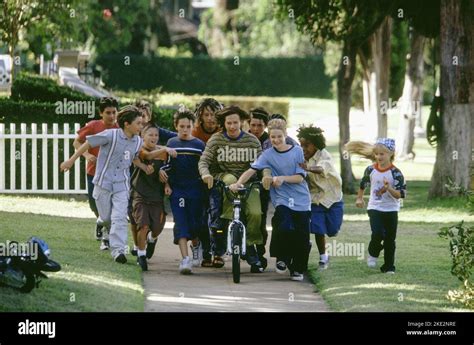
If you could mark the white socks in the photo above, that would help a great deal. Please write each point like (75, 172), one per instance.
(324, 257)
(141, 252)
(150, 237)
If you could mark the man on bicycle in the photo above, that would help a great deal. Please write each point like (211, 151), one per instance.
(227, 155)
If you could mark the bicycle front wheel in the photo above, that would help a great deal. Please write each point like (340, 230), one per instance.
(236, 252)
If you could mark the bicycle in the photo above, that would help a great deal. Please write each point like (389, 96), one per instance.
(236, 231)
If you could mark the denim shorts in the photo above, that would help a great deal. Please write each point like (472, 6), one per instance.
(327, 221)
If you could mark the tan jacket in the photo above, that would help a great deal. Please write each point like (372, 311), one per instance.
(325, 188)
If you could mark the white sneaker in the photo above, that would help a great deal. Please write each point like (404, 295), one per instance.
(104, 245)
(371, 261)
(186, 266)
(197, 254)
(281, 267)
(297, 276)
(323, 262)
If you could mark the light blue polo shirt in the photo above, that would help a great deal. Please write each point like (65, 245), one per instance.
(295, 196)
(116, 154)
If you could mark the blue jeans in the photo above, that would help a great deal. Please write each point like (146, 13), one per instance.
(290, 238)
(384, 229)
(90, 189)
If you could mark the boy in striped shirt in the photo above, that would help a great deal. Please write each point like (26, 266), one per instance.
(118, 149)
(227, 155)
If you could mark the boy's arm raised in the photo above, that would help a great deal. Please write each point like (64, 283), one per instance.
(77, 144)
(206, 160)
(161, 153)
(65, 166)
(278, 180)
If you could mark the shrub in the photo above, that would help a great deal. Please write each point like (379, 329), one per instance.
(35, 112)
(30, 87)
(461, 244)
(19, 111)
(174, 100)
(296, 77)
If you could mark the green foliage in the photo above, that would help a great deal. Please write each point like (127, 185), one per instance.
(432, 69)
(461, 244)
(165, 104)
(35, 88)
(332, 58)
(254, 30)
(337, 20)
(33, 100)
(66, 29)
(16, 16)
(125, 30)
(19, 111)
(424, 15)
(400, 47)
(298, 77)
(12, 111)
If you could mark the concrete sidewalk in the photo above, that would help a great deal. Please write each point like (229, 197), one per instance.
(212, 289)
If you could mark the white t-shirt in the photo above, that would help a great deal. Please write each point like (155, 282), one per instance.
(375, 176)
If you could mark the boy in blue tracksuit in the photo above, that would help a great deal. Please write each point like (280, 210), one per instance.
(185, 188)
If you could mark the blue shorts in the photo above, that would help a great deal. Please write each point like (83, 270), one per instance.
(187, 214)
(327, 221)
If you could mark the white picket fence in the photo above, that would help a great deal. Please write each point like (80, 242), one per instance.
(29, 177)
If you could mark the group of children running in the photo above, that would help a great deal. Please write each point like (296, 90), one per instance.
(130, 171)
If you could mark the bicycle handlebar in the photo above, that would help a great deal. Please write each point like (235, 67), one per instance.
(243, 192)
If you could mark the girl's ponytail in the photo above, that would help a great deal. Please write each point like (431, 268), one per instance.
(361, 148)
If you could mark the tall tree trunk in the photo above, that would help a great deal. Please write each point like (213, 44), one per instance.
(345, 77)
(11, 52)
(410, 102)
(453, 152)
(375, 60)
(472, 154)
(384, 33)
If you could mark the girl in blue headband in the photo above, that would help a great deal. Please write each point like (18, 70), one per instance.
(387, 187)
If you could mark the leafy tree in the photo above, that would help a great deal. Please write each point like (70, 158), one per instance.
(351, 23)
(16, 16)
(252, 29)
(119, 27)
(453, 152)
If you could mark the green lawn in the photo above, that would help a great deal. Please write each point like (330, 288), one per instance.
(422, 259)
(89, 279)
(323, 113)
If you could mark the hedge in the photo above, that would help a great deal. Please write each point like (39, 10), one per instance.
(33, 100)
(12, 111)
(30, 87)
(278, 105)
(294, 77)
